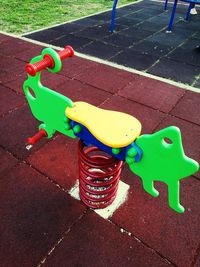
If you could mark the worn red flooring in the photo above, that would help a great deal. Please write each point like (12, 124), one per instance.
(40, 224)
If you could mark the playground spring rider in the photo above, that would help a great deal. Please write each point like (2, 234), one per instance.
(154, 157)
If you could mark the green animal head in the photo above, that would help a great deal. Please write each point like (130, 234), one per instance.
(47, 105)
(163, 160)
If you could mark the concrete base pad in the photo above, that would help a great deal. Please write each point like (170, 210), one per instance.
(107, 212)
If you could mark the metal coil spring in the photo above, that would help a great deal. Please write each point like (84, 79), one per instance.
(99, 175)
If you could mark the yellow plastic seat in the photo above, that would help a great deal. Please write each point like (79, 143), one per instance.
(112, 128)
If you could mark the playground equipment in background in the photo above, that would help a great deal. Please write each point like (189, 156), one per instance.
(112, 24)
(190, 7)
(192, 4)
(107, 138)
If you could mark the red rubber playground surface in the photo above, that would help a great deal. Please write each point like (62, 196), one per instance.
(40, 223)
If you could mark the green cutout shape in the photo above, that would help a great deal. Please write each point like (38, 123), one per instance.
(163, 160)
(163, 156)
(47, 105)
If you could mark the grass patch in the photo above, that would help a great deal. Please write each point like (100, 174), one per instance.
(26, 15)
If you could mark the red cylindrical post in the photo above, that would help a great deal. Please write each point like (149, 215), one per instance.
(99, 175)
(38, 136)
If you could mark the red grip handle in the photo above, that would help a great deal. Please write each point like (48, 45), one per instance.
(67, 52)
(32, 140)
(48, 62)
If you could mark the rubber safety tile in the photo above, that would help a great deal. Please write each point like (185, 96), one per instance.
(70, 39)
(127, 21)
(94, 33)
(17, 83)
(134, 59)
(78, 91)
(136, 32)
(87, 22)
(69, 27)
(145, 25)
(58, 160)
(153, 93)
(102, 244)
(188, 108)
(11, 68)
(34, 216)
(173, 41)
(27, 55)
(106, 78)
(53, 81)
(11, 65)
(191, 42)
(175, 236)
(17, 127)
(139, 14)
(163, 18)
(13, 46)
(105, 16)
(74, 89)
(4, 37)
(119, 40)
(183, 55)
(76, 65)
(153, 48)
(197, 263)
(9, 100)
(191, 24)
(11, 75)
(100, 49)
(174, 70)
(7, 162)
(44, 36)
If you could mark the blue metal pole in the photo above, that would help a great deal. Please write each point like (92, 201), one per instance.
(166, 2)
(112, 25)
(172, 16)
(188, 11)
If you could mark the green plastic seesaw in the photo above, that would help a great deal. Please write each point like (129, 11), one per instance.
(153, 157)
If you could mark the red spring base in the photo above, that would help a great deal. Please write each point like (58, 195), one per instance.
(99, 175)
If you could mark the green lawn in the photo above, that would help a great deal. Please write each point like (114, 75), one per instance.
(26, 15)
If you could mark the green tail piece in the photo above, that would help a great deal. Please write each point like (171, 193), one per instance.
(163, 160)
